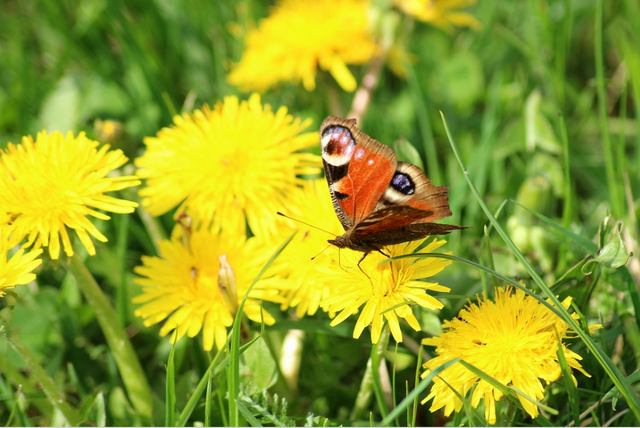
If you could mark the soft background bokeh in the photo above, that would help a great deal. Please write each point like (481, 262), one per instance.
(120, 70)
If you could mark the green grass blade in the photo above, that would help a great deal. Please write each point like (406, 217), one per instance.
(567, 211)
(585, 243)
(572, 393)
(416, 381)
(199, 390)
(246, 413)
(408, 400)
(615, 192)
(170, 393)
(507, 391)
(131, 372)
(489, 255)
(234, 347)
(377, 358)
(54, 395)
(424, 123)
(122, 296)
(604, 360)
(207, 401)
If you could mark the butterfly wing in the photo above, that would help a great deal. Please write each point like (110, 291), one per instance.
(357, 167)
(396, 224)
(409, 187)
(406, 211)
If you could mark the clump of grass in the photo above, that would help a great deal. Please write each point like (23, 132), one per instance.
(540, 149)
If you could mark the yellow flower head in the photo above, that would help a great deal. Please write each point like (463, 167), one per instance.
(15, 270)
(310, 204)
(301, 36)
(57, 181)
(198, 282)
(442, 13)
(387, 289)
(514, 340)
(227, 166)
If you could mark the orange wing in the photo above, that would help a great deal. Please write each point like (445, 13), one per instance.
(357, 167)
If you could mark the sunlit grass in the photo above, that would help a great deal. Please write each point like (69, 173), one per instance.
(540, 150)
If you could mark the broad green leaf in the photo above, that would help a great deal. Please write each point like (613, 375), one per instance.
(257, 366)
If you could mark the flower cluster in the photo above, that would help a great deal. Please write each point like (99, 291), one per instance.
(197, 283)
(224, 169)
(224, 173)
(237, 164)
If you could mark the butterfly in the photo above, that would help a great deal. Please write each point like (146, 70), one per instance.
(378, 200)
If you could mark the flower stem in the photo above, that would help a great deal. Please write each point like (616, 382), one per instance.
(363, 95)
(130, 369)
(56, 398)
(291, 358)
(368, 384)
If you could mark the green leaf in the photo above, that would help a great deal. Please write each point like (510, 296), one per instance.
(538, 131)
(258, 367)
(614, 254)
(61, 107)
(406, 152)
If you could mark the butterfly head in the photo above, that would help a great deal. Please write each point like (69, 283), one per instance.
(345, 241)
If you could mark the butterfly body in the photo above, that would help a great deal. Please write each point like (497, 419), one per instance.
(378, 200)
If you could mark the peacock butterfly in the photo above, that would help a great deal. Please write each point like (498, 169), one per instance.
(378, 200)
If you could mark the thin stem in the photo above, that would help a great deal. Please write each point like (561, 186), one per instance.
(362, 98)
(607, 148)
(153, 226)
(56, 397)
(424, 122)
(124, 355)
(122, 296)
(291, 358)
(367, 385)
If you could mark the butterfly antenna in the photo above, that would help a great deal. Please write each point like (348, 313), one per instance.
(307, 224)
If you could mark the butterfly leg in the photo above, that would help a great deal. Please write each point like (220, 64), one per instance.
(360, 267)
(340, 261)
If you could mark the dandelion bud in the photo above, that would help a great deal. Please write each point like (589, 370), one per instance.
(536, 194)
(227, 285)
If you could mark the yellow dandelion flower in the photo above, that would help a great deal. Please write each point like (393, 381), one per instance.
(301, 36)
(387, 290)
(55, 183)
(228, 166)
(514, 340)
(311, 204)
(15, 270)
(443, 13)
(192, 285)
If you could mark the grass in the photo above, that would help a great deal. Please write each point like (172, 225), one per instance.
(532, 121)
